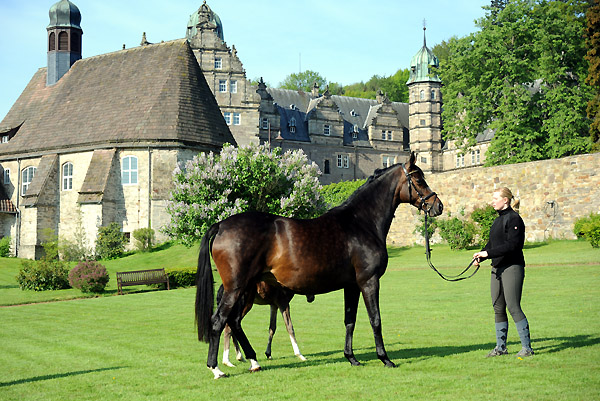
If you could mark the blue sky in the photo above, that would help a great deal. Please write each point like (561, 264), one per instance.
(346, 41)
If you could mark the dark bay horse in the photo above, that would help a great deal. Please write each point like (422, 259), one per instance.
(345, 248)
(276, 297)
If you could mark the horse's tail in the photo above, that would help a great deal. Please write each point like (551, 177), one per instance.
(205, 285)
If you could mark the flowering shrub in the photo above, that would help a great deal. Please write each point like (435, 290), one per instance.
(210, 188)
(43, 275)
(89, 276)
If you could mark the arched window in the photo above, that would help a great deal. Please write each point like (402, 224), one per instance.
(432, 94)
(75, 43)
(67, 176)
(26, 178)
(63, 41)
(326, 167)
(129, 170)
(52, 42)
(422, 93)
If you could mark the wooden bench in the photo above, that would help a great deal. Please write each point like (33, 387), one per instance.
(141, 277)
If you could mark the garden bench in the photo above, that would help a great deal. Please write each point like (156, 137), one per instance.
(141, 277)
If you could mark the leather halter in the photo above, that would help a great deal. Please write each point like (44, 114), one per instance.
(411, 185)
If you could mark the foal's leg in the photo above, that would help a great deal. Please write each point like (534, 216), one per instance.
(272, 328)
(235, 322)
(351, 296)
(285, 312)
(226, 344)
(370, 293)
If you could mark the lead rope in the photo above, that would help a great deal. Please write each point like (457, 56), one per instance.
(444, 276)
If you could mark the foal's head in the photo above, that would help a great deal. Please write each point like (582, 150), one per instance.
(412, 188)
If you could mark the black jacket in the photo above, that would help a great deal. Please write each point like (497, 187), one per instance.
(507, 236)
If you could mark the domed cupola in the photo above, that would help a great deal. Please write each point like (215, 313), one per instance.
(422, 63)
(204, 18)
(64, 14)
(64, 39)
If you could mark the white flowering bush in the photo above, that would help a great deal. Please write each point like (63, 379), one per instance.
(210, 188)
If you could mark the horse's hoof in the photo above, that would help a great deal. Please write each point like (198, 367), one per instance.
(254, 366)
(389, 364)
(217, 373)
(310, 298)
(301, 357)
(256, 369)
(227, 363)
(268, 356)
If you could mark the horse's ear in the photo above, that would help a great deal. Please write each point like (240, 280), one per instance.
(412, 159)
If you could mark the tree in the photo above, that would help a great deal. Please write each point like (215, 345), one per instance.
(593, 79)
(521, 75)
(210, 188)
(304, 81)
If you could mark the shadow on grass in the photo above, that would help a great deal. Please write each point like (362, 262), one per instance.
(57, 376)
(409, 355)
(395, 252)
(6, 287)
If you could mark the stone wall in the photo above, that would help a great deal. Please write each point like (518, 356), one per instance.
(553, 193)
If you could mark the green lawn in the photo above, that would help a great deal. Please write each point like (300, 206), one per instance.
(142, 346)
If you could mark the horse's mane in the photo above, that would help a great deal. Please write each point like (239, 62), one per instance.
(377, 174)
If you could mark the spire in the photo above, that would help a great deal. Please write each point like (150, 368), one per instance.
(64, 39)
(424, 29)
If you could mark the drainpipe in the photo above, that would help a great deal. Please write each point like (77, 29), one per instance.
(149, 187)
(18, 222)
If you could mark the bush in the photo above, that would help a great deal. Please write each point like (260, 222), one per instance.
(110, 243)
(431, 226)
(589, 228)
(484, 217)
(458, 233)
(335, 194)
(89, 276)
(144, 238)
(5, 247)
(43, 275)
(72, 251)
(182, 277)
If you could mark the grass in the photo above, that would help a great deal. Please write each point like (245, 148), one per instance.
(142, 346)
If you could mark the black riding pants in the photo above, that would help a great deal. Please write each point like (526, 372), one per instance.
(507, 287)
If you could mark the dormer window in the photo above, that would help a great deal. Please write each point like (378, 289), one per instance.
(355, 131)
(292, 125)
(265, 123)
(326, 129)
(218, 63)
(353, 113)
(292, 106)
(4, 138)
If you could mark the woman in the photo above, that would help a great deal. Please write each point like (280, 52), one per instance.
(505, 248)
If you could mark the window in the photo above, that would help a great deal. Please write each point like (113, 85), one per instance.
(52, 42)
(343, 161)
(26, 178)
(423, 160)
(63, 41)
(386, 135)
(326, 167)
(422, 95)
(475, 156)
(327, 129)
(129, 170)
(67, 176)
(355, 132)
(432, 94)
(233, 86)
(460, 160)
(5, 139)
(388, 161)
(423, 123)
(7, 176)
(218, 63)
(227, 116)
(222, 85)
(292, 125)
(265, 123)
(75, 43)
(236, 119)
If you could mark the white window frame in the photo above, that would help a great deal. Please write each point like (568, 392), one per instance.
(237, 119)
(327, 129)
(129, 174)
(422, 95)
(233, 86)
(460, 160)
(218, 63)
(4, 138)
(292, 125)
(355, 131)
(6, 176)
(388, 161)
(265, 123)
(222, 85)
(227, 117)
(67, 176)
(343, 161)
(27, 175)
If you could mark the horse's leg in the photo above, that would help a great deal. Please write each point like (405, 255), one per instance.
(351, 296)
(272, 328)
(226, 345)
(370, 293)
(235, 322)
(287, 319)
(238, 352)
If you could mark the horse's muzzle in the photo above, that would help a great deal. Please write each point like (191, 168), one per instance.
(437, 208)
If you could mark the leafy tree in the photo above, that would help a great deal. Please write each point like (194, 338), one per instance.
(304, 81)
(522, 75)
(336, 193)
(593, 79)
(210, 188)
(110, 243)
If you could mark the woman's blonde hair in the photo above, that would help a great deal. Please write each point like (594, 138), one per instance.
(507, 193)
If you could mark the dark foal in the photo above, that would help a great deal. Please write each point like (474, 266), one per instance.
(345, 248)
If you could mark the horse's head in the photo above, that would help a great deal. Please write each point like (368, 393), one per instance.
(412, 188)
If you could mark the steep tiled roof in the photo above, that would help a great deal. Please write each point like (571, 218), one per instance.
(150, 93)
(6, 206)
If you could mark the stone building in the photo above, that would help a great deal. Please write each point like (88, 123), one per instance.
(347, 137)
(93, 141)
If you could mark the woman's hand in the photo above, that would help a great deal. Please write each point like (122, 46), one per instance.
(479, 255)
